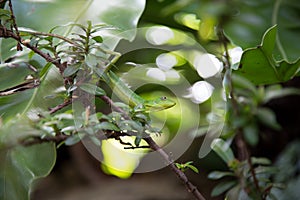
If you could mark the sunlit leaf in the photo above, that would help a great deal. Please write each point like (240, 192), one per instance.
(260, 59)
(195, 169)
(98, 39)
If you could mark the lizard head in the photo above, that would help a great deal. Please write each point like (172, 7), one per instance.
(159, 104)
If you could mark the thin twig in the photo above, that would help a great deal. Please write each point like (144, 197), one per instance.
(243, 153)
(60, 106)
(9, 34)
(19, 47)
(191, 188)
(108, 101)
(152, 144)
(252, 171)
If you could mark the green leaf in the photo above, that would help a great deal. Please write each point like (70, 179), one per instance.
(137, 140)
(4, 14)
(256, 16)
(74, 139)
(251, 134)
(267, 117)
(21, 166)
(222, 187)
(264, 169)
(71, 69)
(260, 161)
(131, 125)
(259, 66)
(193, 168)
(243, 83)
(92, 89)
(178, 165)
(107, 126)
(218, 174)
(68, 129)
(274, 92)
(45, 69)
(222, 149)
(98, 39)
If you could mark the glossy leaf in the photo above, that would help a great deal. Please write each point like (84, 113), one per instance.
(21, 166)
(259, 66)
(249, 24)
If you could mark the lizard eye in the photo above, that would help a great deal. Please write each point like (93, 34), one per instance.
(163, 98)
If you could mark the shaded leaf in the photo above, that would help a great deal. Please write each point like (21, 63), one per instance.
(21, 166)
(222, 187)
(137, 140)
(264, 169)
(267, 117)
(260, 161)
(74, 139)
(251, 134)
(222, 149)
(273, 93)
(219, 174)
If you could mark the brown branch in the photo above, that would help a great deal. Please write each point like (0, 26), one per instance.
(252, 171)
(10, 34)
(60, 106)
(19, 47)
(243, 153)
(108, 101)
(191, 188)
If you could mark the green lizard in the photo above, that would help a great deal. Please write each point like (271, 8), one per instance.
(133, 99)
